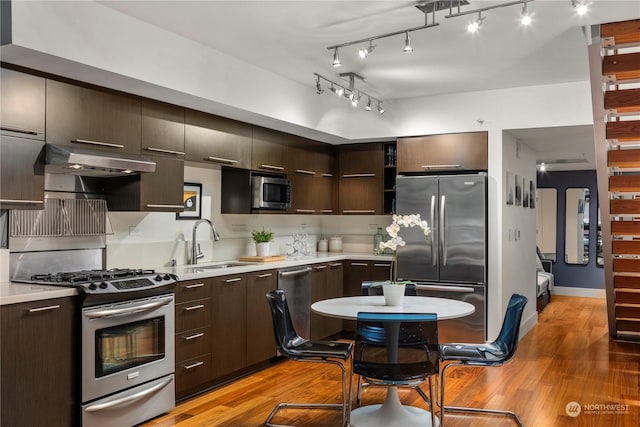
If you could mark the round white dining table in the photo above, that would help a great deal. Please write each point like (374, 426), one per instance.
(392, 412)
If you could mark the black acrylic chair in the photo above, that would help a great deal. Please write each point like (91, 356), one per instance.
(495, 353)
(367, 289)
(294, 347)
(397, 349)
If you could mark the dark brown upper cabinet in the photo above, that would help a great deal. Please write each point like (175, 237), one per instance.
(312, 177)
(162, 129)
(213, 139)
(22, 104)
(270, 150)
(92, 118)
(441, 153)
(21, 173)
(361, 179)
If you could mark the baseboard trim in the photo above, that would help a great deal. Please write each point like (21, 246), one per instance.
(578, 292)
(527, 324)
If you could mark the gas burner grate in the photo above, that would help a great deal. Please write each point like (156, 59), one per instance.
(84, 276)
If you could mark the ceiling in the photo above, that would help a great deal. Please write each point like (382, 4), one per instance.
(290, 38)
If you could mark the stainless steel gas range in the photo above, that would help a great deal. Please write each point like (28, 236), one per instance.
(126, 343)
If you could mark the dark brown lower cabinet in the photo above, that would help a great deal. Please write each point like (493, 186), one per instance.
(229, 324)
(326, 282)
(261, 345)
(38, 364)
(359, 271)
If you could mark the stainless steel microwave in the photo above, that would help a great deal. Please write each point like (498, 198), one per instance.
(270, 193)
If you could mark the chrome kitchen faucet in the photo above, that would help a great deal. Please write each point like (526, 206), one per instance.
(195, 248)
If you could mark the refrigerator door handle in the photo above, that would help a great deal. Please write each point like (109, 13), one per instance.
(434, 260)
(443, 240)
(462, 289)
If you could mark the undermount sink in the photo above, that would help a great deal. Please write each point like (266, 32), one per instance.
(225, 265)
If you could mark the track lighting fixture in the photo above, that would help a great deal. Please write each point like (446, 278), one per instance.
(365, 51)
(350, 92)
(474, 26)
(525, 17)
(580, 6)
(407, 43)
(336, 58)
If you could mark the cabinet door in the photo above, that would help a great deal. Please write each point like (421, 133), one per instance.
(31, 331)
(269, 150)
(97, 119)
(159, 191)
(213, 139)
(162, 129)
(303, 197)
(358, 159)
(21, 173)
(335, 273)
(229, 324)
(22, 106)
(260, 336)
(318, 293)
(361, 187)
(448, 152)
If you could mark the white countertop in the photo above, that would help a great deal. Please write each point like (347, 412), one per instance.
(13, 293)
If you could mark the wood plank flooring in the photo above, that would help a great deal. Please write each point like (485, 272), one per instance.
(567, 357)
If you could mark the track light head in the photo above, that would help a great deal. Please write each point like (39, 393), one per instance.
(365, 51)
(336, 58)
(340, 91)
(368, 106)
(581, 6)
(474, 26)
(525, 18)
(319, 89)
(407, 43)
(380, 109)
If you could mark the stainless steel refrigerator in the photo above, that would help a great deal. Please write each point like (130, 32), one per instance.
(452, 261)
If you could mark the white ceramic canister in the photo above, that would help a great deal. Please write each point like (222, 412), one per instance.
(335, 244)
(323, 245)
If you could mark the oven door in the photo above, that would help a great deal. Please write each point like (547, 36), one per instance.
(126, 344)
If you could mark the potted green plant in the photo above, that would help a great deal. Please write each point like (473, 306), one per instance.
(262, 238)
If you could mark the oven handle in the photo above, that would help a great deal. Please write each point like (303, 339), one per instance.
(129, 310)
(128, 399)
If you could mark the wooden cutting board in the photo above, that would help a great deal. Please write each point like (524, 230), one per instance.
(263, 258)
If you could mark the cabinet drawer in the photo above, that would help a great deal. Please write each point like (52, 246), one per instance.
(192, 290)
(193, 314)
(192, 343)
(192, 373)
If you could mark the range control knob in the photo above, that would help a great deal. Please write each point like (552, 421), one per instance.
(158, 278)
(103, 285)
(93, 286)
(166, 277)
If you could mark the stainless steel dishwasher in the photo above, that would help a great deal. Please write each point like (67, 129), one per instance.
(296, 284)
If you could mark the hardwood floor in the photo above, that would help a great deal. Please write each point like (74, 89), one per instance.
(567, 357)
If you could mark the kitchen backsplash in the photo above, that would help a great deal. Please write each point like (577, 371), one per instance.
(152, 239)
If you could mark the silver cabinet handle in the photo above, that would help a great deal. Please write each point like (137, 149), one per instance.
(128, 310)
(17, 130)
(305, 210)
(221, 160)
(359, 211)
(359, 175)
(327, 175)
(359, 264)
(194, 285)
(272, 167)
(193, 365)
(194, 307)
(163, 150)
(128, 399)
(443, 224)
(47, 308)
(320, 267)
(441, 166)
(194, 336)
(26, 202)
(305, 172)
(327, 211)
(165, 206)
(433, 243)
(235, 279)
(382, 265)
(335, 264)
(262, 276)
(100, 143)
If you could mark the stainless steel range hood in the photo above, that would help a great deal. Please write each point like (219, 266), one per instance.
(77, 161)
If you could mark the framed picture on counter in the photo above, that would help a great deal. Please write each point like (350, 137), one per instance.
(192, 201)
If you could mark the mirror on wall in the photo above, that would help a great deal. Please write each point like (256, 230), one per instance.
(546, 218)
(576, 241)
